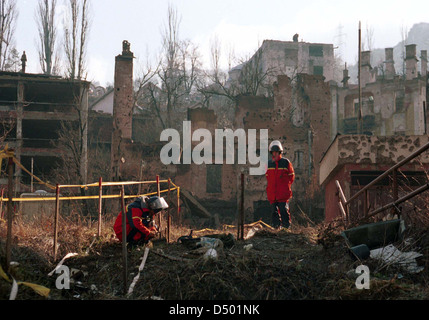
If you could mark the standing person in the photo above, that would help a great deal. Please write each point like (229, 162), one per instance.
(140, 224)
(280, 176)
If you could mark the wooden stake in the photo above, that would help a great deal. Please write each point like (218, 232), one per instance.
(1, 204)
(242, 207)
(124, 240)
(57, 213)
(179, 218)
(168, 211)
(158, 193)
(9, 213)
(100, 203)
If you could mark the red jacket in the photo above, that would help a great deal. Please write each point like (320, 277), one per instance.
(280, 176)
(140, 220)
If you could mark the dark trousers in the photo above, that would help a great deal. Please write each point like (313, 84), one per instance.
(281, 215)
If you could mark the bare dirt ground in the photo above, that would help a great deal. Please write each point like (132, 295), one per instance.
(303, 263)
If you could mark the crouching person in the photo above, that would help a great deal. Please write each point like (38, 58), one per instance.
(140, 220)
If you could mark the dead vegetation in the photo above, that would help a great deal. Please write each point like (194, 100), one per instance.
(304, 263)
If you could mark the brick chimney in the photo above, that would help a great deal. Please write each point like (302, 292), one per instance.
(367, 73)
(122, 108)
(424, 63)
(389, 63)
(410, 61)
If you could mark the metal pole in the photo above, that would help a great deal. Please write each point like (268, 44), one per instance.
(9, 213)
(242, 207)
(32, 173)
(57, 212)
(359, 122)
(100, 203)
(124, 240)
(401, 200)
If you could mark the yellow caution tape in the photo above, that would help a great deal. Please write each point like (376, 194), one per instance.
(81, 197)
(43, 291)
(50, 186)
(4, 275)
(206, 229)
(107, 184)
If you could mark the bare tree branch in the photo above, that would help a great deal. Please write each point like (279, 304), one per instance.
(8, 17)
(76, 31)
(45, 19)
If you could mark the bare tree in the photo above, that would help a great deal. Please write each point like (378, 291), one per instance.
(45, 19)
(8, 17)
(177, 72)
(252, 77)
(76, 31)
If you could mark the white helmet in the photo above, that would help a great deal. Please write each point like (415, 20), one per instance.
(276, 146)
(157, 203)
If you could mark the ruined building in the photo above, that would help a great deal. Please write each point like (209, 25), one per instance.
(394, 124)
(36, 105)
(289, 58)
(391, 104)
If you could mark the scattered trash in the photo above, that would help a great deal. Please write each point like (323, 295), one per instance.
(77, 274)
(251, 233)
(14, 264)
(391, 255)
(360, 252)
(248, 247)
(210, 243)
(69, 255)
(211, 254)
(156, 298)
(374, 235)
(351, 274)
(136, 278)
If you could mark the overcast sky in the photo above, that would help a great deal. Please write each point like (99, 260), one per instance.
(241, 24)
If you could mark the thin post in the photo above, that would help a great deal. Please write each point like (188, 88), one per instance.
(124, 240)
(359, 122)
(32, 173)
(9, 213)
(158, 193)
(1, 204)
(140, 177)
(168, 211)
(365, 203)
(57, 213)
(179, 219)
(100, 203)
(242, 207)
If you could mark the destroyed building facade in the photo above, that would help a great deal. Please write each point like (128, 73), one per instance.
(36, 105)
(392, 104)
